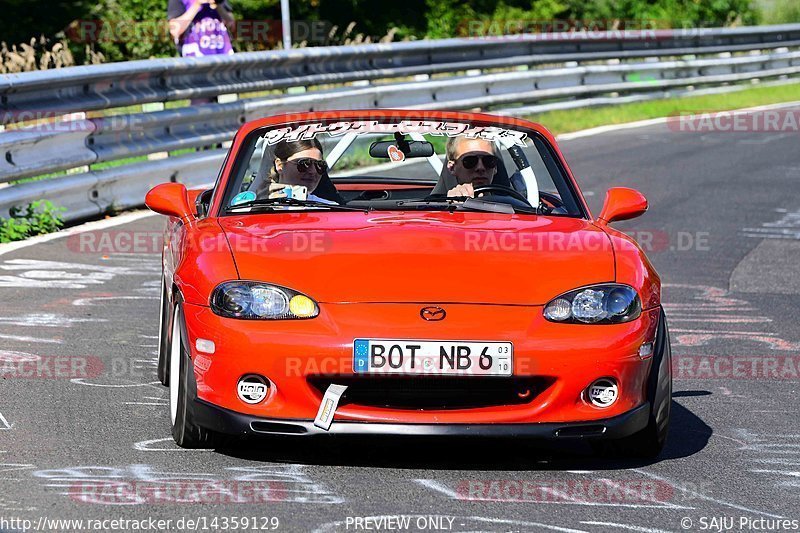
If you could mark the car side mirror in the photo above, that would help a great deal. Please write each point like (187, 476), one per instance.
(170, 199)
(622, 203)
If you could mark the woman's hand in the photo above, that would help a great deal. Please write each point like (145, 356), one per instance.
(280, 190)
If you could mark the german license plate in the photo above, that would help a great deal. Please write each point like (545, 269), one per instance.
(472, 358)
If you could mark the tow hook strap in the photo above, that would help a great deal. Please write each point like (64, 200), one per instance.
(327, 408)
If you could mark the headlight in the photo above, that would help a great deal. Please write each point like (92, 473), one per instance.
(609, 303)
(254, 300)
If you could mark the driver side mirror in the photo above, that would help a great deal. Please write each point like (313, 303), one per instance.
(170, 199)
(622, 203)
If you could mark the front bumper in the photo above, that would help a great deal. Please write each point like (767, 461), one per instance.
(294, 355)
(241, 425)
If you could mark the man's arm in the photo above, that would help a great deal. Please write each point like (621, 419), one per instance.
(224, 10)
(179, 24)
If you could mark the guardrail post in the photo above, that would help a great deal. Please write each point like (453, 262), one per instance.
(152, 108)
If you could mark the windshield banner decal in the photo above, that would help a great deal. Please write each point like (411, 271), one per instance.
(449, 129)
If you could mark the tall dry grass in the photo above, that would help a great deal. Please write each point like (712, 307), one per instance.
(335, 36)
(44, 54)
(41, 54)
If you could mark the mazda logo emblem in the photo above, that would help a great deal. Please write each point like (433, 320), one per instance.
(432, 314)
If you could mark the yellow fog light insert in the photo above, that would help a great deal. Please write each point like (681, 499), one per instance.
(302, 306)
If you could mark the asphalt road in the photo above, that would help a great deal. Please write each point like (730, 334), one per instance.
(723, 231)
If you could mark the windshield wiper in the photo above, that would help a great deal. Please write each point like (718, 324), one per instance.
(270, 203)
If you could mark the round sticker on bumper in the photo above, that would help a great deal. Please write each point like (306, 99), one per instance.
(603, 392)
(252, 389)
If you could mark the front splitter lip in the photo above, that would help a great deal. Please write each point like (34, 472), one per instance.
(230, 422)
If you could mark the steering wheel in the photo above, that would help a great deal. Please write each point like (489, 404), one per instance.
(503, 190)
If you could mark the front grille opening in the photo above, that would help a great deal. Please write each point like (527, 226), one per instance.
(434, 392)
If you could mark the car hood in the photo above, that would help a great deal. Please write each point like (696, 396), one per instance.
(425, 257)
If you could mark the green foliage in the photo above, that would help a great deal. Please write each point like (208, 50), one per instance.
(36, 218)
(131, 29)
(449, 18)
(781, 12)
(24, 19)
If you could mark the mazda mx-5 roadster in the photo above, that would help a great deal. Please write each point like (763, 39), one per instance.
(399, 272)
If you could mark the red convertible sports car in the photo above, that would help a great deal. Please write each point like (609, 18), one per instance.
(393, 272)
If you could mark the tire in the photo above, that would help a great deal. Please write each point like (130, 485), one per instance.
(648, 443)
(182, 389)
(164, 336)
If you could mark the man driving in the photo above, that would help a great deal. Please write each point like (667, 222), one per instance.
(473, 162)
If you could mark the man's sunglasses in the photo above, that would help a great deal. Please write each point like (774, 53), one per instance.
(305, 163)
(471, 161)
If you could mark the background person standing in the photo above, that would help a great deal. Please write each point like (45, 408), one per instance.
(200, 27)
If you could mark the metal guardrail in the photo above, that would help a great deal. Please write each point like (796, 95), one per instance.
(457, 74)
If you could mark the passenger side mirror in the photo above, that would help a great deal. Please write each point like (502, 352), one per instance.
(622, 203)
(170, 199)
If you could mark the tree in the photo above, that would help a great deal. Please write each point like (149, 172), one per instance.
(25, 19)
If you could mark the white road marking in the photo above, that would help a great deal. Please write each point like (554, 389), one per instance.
(4, 423)
(624, 526)
(91, 301)
(439, 487)
(704, 497)
(10, 356)
(50, 320)
(779, 472)
(146, 446)
(525, 523)
(13, 467)
(80, 381)
(788, 227)
(59, 266)
(57, 274)
(22, 338)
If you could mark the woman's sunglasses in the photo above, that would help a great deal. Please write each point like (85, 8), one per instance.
(305, 163)
(471, 161)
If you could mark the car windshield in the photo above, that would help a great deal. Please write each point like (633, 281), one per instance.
(402, 165)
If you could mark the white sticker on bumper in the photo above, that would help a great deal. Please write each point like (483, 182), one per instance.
(330, 401)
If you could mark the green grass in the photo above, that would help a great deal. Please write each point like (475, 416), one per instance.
(589, 117)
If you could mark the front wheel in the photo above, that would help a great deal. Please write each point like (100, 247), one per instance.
(164, 339)
(648, 443)
(181, 387)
